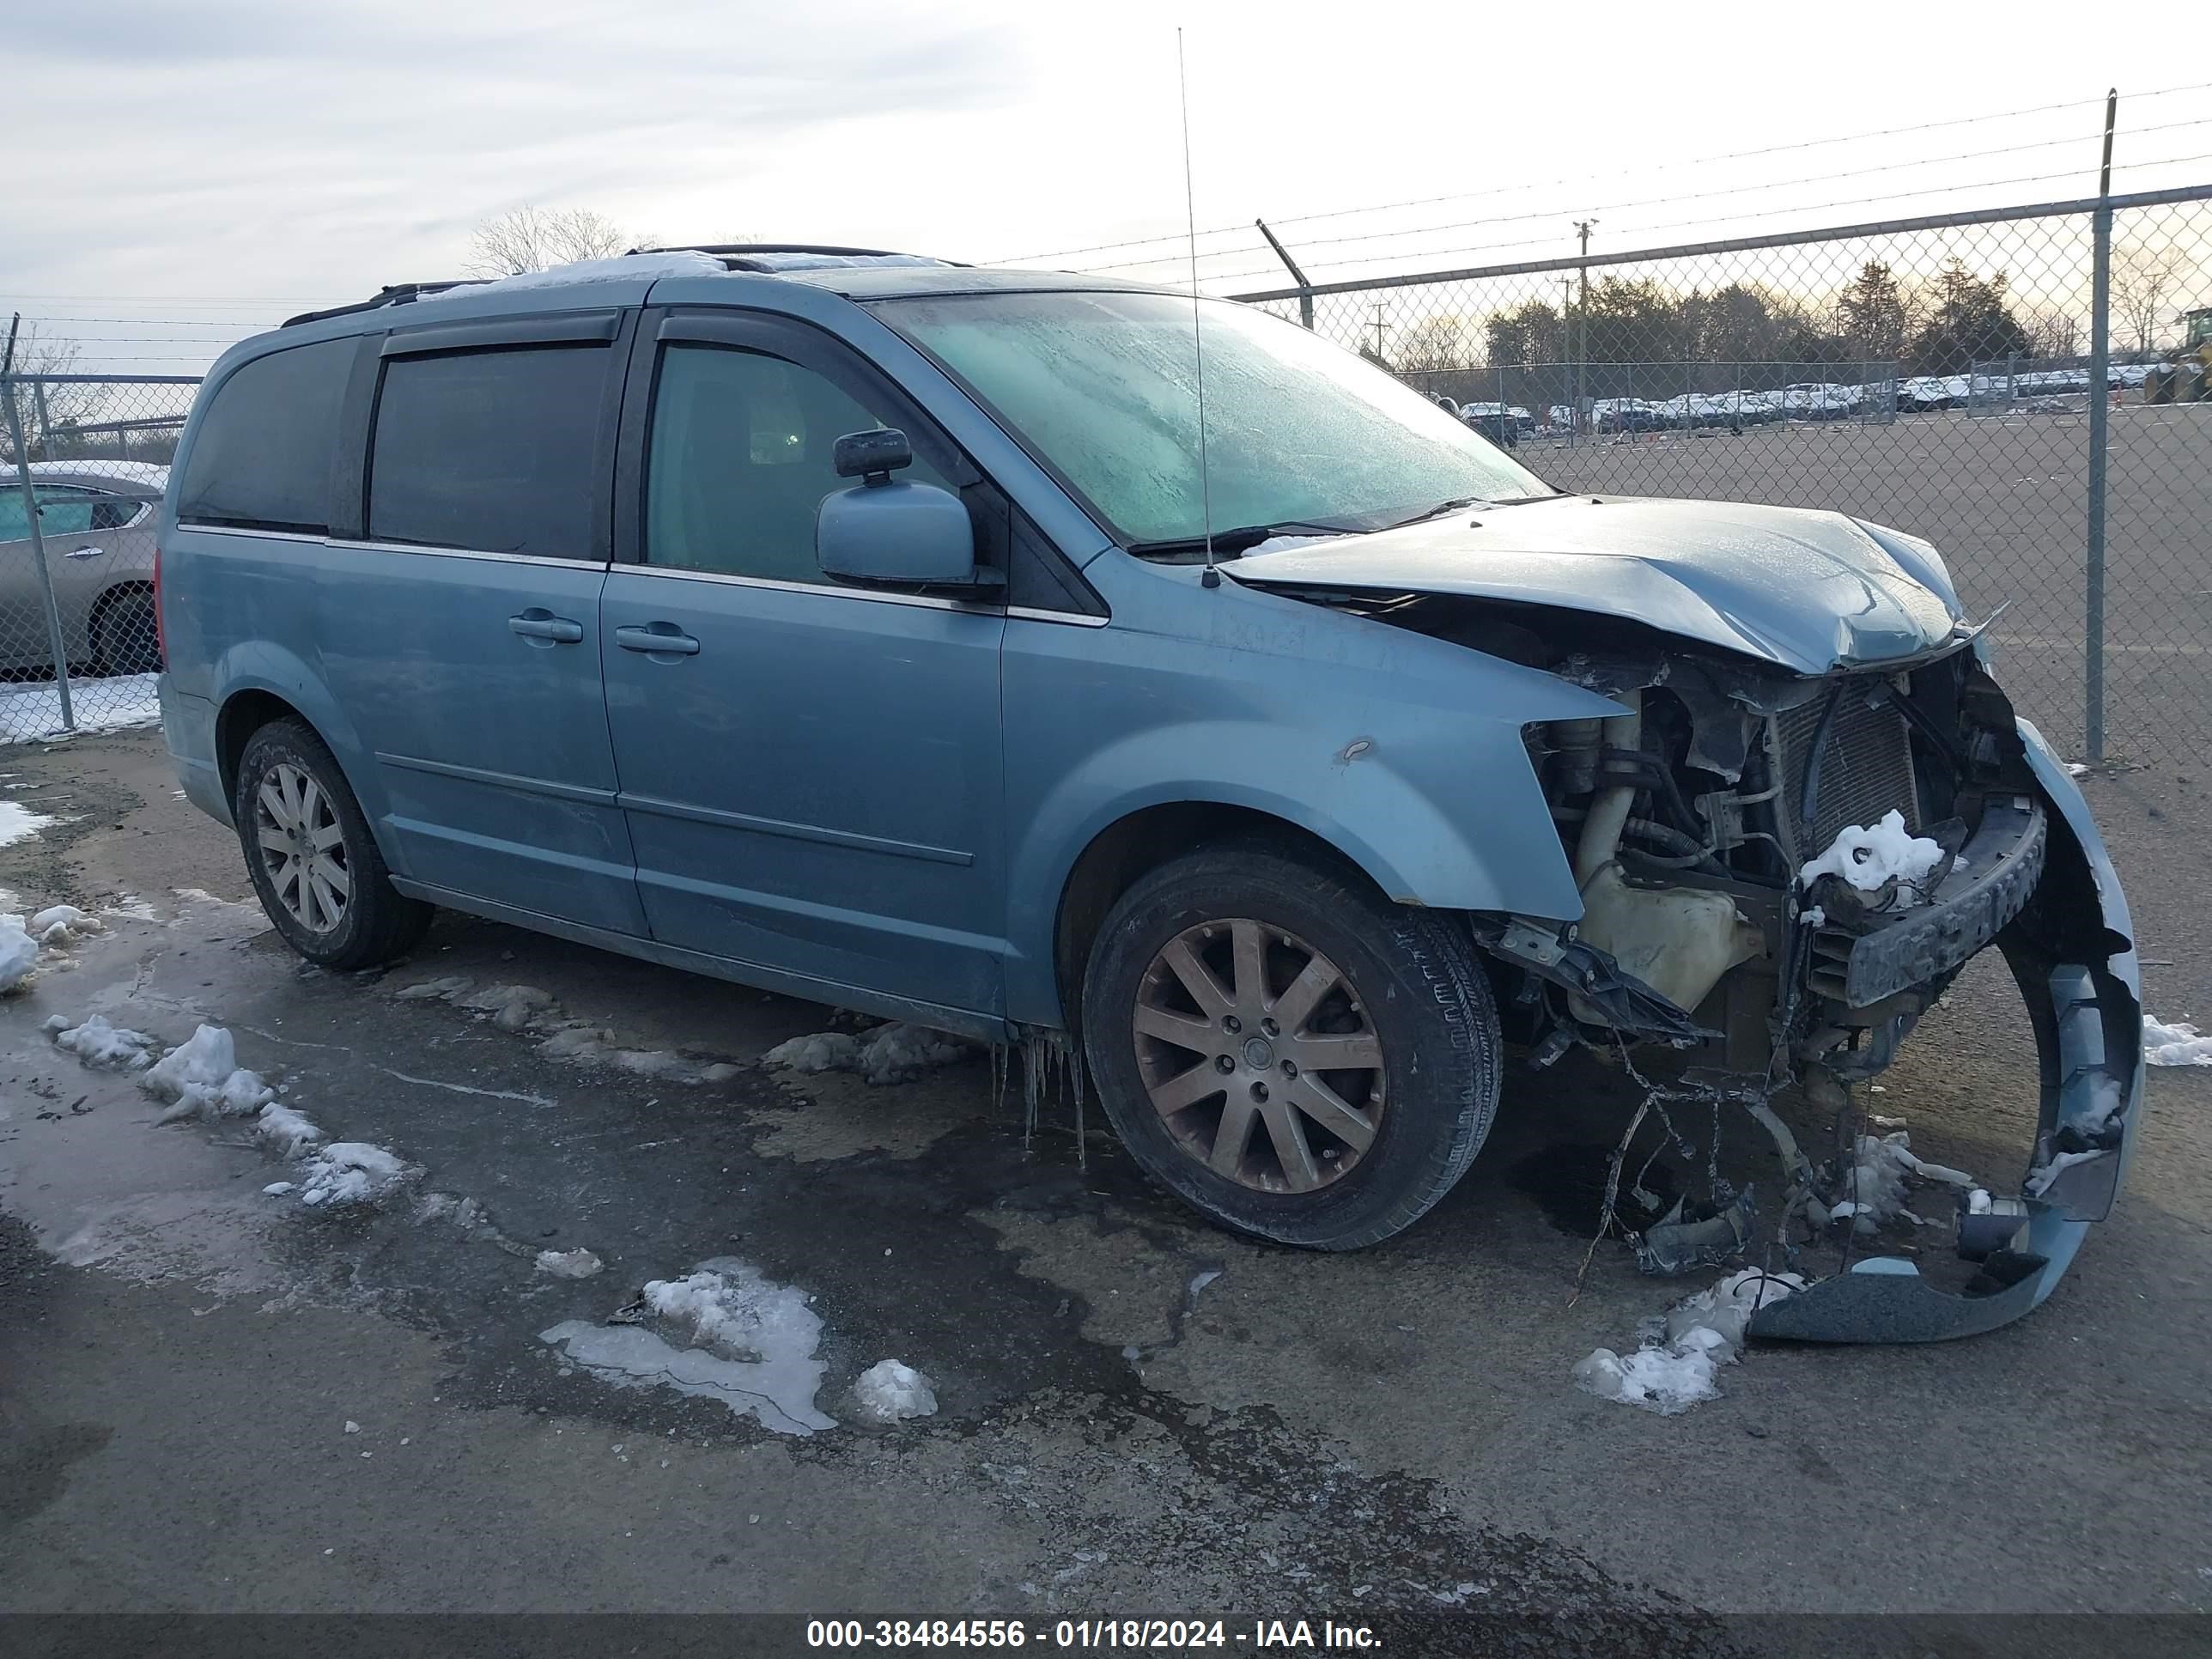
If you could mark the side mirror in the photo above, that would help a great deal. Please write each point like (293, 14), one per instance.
(883, 530)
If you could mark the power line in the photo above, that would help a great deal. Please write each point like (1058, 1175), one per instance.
(1692, 224)
(1706, 194)
(1736, 155)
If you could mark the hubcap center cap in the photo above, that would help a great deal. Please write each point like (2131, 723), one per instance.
(1259, 1053)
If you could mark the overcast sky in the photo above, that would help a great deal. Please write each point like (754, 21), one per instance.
(274, 155)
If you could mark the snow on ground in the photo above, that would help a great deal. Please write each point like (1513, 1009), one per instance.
(1867, 856)
(895, 1053)
(750, 1344)
(569, 1264)
(2177, 1044)
(1675, 1367)
(201, 1077)
(888, 1392)
(102, 1046)
(19, 953)
(352, 1172)
(18, 822)
(290, 1132)
(528, 1011)
(60, 925)
(34, 710)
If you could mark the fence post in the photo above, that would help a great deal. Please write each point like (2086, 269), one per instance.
(1305, 289)
(46, 423)
(39, 553)
(2100, 344)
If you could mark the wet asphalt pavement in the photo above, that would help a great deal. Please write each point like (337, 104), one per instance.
(181, 1354)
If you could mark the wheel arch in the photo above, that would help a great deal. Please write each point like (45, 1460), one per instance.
(1140, 842)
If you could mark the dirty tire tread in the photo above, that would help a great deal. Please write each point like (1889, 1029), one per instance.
(381, 923)
(1451, 1001)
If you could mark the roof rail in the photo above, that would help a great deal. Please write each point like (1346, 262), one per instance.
(397, 294)
(737, 253)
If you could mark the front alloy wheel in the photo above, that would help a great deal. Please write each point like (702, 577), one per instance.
(1284, 1050)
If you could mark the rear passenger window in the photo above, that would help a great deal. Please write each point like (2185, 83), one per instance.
(496, 450)
(262, 453)
(740, 459)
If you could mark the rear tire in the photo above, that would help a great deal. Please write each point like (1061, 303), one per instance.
(1287, 1051)
(125, 639)
(315, 864)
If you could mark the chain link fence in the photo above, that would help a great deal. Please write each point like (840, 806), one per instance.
(83, 459)
(1955, 377)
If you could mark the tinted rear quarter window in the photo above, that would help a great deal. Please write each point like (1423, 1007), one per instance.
(491, 450)
(262, 453)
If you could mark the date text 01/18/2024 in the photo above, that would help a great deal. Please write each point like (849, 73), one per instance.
(1281, 1635)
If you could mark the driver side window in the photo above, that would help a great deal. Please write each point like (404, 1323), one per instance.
(738, 461)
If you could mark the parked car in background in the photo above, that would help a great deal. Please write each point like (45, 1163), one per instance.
(870, 629)
(97, 520)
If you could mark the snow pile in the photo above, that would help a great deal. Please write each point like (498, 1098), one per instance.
(888, 1392)
(34, 709)
(512, 1007)
(18, 822)
(61, 924)
(754, 1344)
(201, 1077)
(569, 1264)
(2177, 1044)
(1675, 1368)
(19, 953)
(291, 1133)
(352, 1172)
(101, 1046)
(681, 263)
(1867, 855)
(1876, 1184)
(822, 1051)
(896, 1053)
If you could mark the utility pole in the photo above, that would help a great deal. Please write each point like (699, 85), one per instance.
(1566, 378)
(1378, 333)
(1582, 228)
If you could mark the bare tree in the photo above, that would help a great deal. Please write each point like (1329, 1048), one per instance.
(2143, 280)
(534, 238)
(2055, 331)
(48, 410)
(1434, 343)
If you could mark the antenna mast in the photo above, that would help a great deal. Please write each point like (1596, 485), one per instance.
(1212, 577)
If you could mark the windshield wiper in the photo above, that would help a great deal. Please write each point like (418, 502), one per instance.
(1228, 543)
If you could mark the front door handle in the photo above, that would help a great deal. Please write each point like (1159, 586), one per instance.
(538, 624)
(657, 639)
(85, 553)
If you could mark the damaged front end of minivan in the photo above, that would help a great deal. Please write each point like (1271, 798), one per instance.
(1710, 827)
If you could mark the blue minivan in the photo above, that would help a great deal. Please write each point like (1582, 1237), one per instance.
(967, 647)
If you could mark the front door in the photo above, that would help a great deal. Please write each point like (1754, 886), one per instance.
(810, 772)
(461, 634)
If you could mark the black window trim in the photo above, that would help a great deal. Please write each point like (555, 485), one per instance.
(808, 345)
(365, 392)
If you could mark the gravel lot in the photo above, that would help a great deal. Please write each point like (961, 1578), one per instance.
(212, 1398)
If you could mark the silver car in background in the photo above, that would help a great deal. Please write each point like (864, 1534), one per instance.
(97, 518)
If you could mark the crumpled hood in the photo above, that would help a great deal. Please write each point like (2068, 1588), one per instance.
(1810, 591)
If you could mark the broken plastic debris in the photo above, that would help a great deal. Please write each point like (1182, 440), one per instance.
(2177, 1044)
(1674, 1367)
(1678, 1243)
(890, 1392)
(569, 1264)
(1868, 855)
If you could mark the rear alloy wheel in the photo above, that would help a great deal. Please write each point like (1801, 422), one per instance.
(1287, 1051)
(315, 866)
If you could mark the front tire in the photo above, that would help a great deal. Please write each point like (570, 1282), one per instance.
(315, 864)
(1285, 1050)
